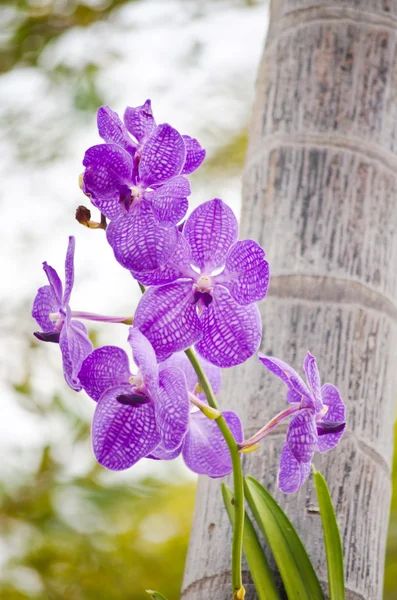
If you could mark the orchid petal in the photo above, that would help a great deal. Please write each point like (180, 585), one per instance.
(167, 317)
(336, 414)
(55, 282)
(103, 369)
(205, 451)
(144, 357)
(180, 360)
(297, 389)
(169, 201)
(211, 230)
(292, 473)
(302, 435)
(313, 379)
(195, 155)
(122, 434)
(172, 408)
(69, 270)
(140, 121)
(246, 273)
(163, 156)
(75, 346)
(139, 241)
(231, 333)
(44, 304)
(112, 130)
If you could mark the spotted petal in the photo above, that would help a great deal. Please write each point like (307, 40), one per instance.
(195, 155)
(44, 304)
(231, 333)
(163, 156)
(139, 241)
(104, 368)
(205, 451)
(181, 361)
(172, 408)
(336, 414)
(75, 346)
(302, 435)
(169, 201)
(297, 389)
(144, 357)
(292, 473)
(140, 121)
(122, 434)
(246, 272)
(112, 130)
(167, 317)
(211, 230)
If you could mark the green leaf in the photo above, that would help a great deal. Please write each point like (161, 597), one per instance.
(296, 570)
(256, 559)
(332, 541)
(155, 595)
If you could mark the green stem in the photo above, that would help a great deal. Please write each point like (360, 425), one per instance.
(238, 481)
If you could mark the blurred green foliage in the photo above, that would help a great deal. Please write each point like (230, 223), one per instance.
(390, 590)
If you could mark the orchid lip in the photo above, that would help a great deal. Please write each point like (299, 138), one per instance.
(132, 399)
(47, 336)
(326, 427)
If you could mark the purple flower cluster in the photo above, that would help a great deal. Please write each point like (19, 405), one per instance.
(203, 285)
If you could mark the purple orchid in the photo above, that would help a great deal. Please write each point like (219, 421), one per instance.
(52, 312)
(203, 448)
(134, 413)
(139, 185)
(317, 424)
(206, 293)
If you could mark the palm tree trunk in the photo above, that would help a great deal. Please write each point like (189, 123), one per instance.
(320, 197)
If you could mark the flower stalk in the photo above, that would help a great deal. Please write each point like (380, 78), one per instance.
(102, 318)
(253, 441)
(238, 482)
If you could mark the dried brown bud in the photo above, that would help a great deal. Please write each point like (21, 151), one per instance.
(83, 215)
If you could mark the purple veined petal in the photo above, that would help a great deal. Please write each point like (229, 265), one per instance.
(163, 156)
(140, 121)
(112, 130)
(231, 333)
(160, 453)
(167, 317)
(195, 155)
(44, 304)
(172, 408)
(145, 358)
(179, 360)
(297, 389)
(139, 241)
(104, 368)
(246, 273)
(54, 281)
(292, 473)
(313, 379)
(75, 346)
(302, 435)
(69, 270)
(122, 434)
(211, 230)
(336, 414)
(108, 166)
(176, 267)
(205, 451)
(169, 201)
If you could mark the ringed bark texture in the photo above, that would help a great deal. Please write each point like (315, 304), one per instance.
(320, 195)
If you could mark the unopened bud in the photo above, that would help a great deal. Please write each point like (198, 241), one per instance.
(83, 215)
(240, 594)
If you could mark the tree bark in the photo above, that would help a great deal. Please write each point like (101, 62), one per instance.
(319, 195)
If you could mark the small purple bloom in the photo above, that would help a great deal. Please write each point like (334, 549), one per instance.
(139, 184)
(134, 413)
(317, 425)
(51, 311)
(203, 448)
(206, 293)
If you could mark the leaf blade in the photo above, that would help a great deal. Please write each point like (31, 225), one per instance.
(261, 573)
(296, 570)
(332, 539)
(155, 595)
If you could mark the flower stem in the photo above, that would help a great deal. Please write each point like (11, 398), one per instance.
(237, 544)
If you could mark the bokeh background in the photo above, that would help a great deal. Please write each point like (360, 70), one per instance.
(68, 528)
